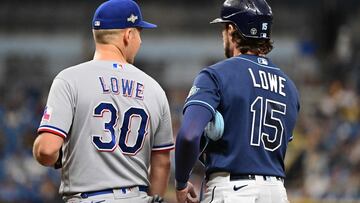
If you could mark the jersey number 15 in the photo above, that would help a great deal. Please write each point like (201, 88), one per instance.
(266, 123)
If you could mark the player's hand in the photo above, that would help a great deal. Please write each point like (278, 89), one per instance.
(187, 195)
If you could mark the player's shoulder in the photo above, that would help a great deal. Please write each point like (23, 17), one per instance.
(222, 64)
(148, 80)
(73, 71)
(245, 60)
(220, 67)
(145, 76)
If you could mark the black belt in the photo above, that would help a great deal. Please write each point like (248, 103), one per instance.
(85, 195)
(252, 177)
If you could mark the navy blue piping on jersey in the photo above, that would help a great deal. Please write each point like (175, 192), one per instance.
(163, 146)
(49, 126)
(212, 194)
(265, 66)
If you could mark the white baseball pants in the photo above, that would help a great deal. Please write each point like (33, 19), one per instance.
(264, 189)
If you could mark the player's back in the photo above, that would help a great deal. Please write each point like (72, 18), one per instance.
(259, 104)
(117, 110)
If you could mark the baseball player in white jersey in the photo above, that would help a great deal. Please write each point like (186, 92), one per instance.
(108, 120)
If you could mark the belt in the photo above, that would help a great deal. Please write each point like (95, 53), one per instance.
(254, 177)
(85, 195)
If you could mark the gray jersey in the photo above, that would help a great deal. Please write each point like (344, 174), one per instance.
(112, 116)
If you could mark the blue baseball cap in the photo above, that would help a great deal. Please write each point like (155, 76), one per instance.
(119, 14)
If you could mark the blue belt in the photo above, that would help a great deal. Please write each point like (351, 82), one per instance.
(85, 195)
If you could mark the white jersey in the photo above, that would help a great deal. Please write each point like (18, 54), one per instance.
(112, 116)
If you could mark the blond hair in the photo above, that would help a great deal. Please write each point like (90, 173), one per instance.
(106, 36)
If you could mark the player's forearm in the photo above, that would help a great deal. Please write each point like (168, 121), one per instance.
(45, 157)
(46, 149)
(159, 174)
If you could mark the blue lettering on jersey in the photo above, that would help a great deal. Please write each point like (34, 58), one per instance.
(139, 91)
(105, 89)
(114, 85)
(127, 87)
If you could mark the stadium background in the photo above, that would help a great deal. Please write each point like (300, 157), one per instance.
(316, 42)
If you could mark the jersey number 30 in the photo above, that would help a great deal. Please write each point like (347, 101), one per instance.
(125, 130)
(266, 123)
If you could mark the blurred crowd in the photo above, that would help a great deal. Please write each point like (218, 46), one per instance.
(22, 179)
(324, 158)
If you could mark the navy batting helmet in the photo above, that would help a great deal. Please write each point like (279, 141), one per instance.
(253, 18)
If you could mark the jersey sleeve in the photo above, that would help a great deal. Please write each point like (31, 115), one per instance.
(298, 110)
(205, 91)
(188, 142)
(164, 140)
(59, 110)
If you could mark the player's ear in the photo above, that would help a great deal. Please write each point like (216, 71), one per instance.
(231, 28)
(127, 36)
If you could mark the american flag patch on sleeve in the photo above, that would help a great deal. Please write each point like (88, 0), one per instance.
(47, 114)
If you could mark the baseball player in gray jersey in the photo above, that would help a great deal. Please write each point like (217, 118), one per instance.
(109, 120)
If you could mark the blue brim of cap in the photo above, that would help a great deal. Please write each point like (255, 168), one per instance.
(146, 25)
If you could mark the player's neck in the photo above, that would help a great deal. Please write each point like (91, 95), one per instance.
(109, 52)
(237, 53)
